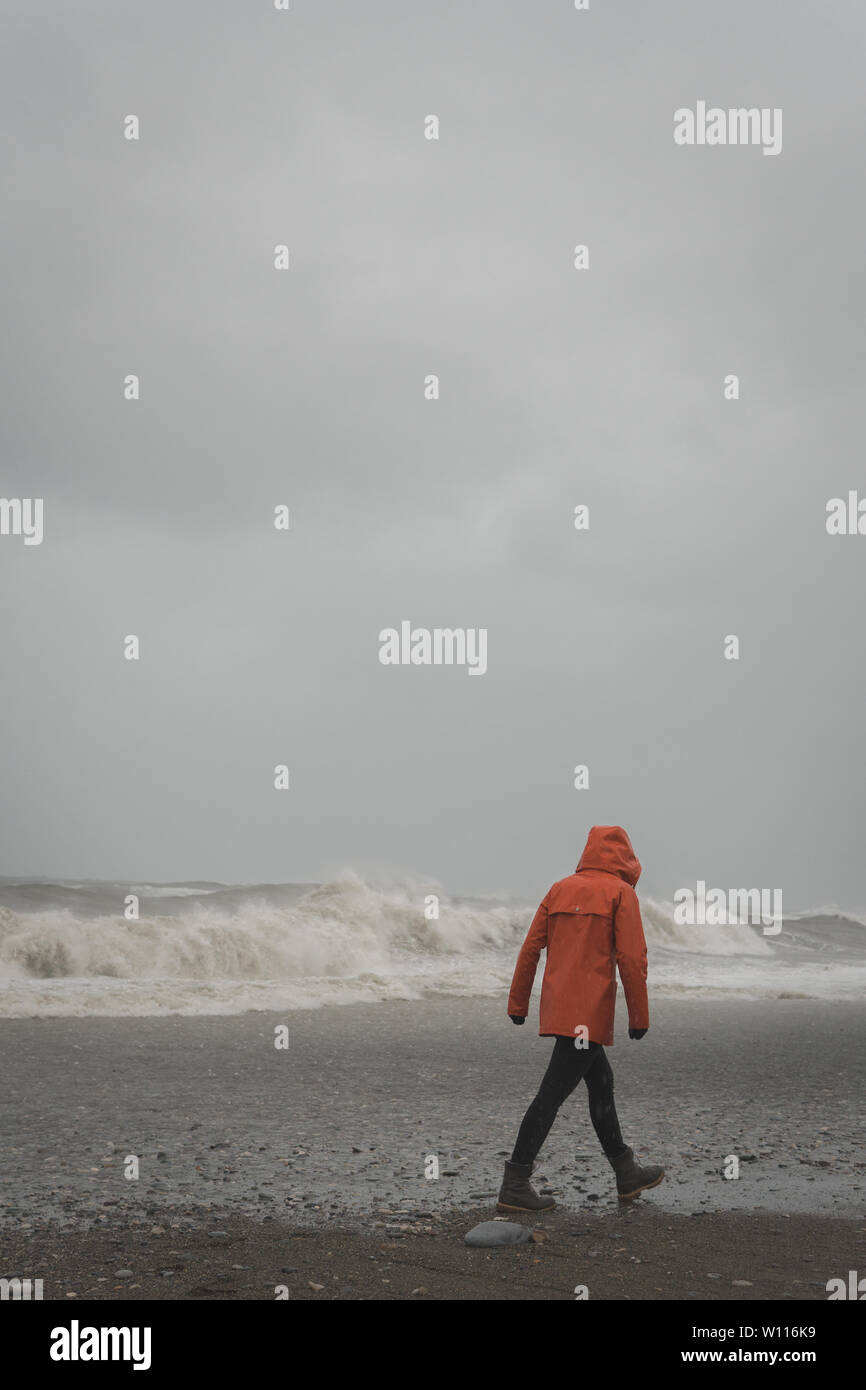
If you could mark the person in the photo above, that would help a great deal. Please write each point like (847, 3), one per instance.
(589, 923)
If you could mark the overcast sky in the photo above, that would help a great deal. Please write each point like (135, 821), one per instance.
(411, 256)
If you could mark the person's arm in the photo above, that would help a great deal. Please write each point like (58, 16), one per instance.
(527, 963)
(631, 961)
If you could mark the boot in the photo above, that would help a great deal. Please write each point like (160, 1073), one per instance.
(516, 1193)
(631, 1178)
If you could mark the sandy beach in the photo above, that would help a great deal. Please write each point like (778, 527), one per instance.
(636, 1254)
(306, 1166)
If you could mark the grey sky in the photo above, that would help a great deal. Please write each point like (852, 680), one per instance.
(557, 387)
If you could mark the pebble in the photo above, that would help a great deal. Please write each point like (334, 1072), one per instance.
(491, 1233)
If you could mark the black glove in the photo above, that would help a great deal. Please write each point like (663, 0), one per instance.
(517, 1018)
(637, 1032)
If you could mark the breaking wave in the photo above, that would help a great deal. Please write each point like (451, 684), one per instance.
(68, 949)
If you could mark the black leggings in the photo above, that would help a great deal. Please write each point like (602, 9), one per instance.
(568, 1066)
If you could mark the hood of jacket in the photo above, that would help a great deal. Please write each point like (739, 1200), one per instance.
(608, 848)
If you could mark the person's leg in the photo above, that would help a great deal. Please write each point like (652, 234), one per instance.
(567, 1066)
(631, 1178)
(602, 1110)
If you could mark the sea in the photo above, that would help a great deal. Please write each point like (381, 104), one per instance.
(68, 948)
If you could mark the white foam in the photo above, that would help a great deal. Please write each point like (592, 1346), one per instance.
(732, 939)
(350, 941)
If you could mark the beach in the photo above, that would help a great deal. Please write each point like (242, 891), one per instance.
(315, 1154)
(637, 1254)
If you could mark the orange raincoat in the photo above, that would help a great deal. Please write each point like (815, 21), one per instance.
(588, 923)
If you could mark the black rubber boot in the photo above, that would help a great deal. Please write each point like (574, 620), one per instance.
(516, 1192)
(631, 1178)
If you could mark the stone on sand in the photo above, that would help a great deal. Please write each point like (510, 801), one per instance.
(498, 1233)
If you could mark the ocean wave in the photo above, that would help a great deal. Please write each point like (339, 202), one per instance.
(226, 949)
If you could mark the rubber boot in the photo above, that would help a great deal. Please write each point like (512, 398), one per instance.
(631, 1178)
(516, 1192)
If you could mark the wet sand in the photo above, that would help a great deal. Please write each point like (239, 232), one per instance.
(639, 1253)
(323, 1147)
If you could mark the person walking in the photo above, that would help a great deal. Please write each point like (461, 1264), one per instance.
(590, 925)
